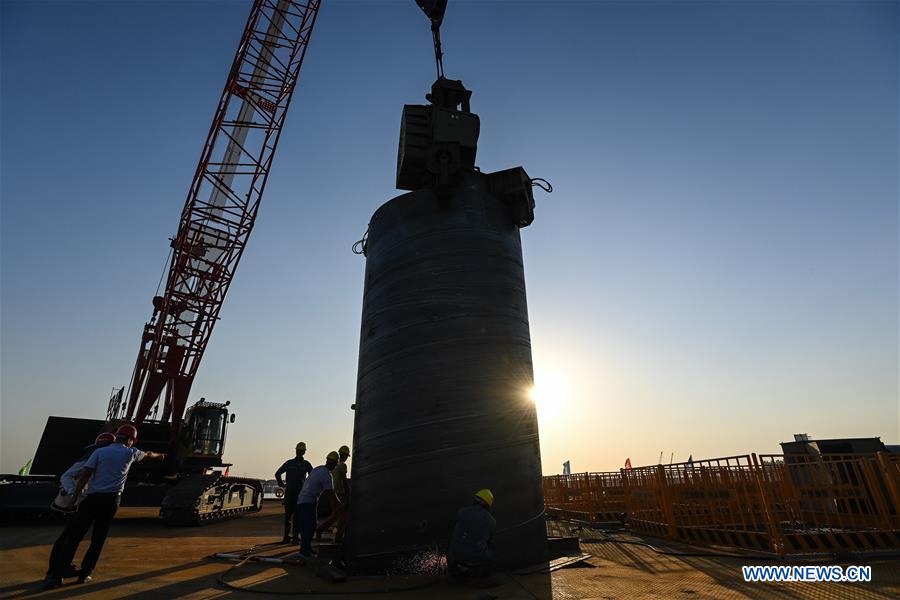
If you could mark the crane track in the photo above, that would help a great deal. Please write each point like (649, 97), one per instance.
(197, 499)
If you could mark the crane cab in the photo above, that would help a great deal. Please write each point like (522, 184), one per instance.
(201, 441)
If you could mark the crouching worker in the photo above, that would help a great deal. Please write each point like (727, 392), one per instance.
(470, 558)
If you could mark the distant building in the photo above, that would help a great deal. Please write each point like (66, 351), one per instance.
(803, 445)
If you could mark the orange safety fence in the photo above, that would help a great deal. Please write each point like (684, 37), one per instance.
(588, 497)
(833, 502)
(791, 504)
(715, 502)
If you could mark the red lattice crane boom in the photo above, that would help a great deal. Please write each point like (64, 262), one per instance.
(221, 206)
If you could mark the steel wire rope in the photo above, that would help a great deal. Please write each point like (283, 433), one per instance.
(165, 269)
(522, 524)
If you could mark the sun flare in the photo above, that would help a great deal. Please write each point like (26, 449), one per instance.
(548, 394)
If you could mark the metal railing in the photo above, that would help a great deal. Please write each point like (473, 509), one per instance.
(783, 504)
(591, 497)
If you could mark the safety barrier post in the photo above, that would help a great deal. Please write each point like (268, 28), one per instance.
(666, 497)
(776, 537)
(876, 492)
(890, 470)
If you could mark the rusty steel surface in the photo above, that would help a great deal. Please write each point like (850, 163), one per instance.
(629, 570)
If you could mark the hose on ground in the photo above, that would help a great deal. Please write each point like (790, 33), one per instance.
(248, 554)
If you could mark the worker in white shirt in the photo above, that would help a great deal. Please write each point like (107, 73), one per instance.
(65, 500)
(317, 482)
(340, 499)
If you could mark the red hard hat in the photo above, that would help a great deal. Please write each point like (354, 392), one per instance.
(127, 430)
(104, 439)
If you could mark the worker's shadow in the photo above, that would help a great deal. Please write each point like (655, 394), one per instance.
(70, 590)
(23, 590)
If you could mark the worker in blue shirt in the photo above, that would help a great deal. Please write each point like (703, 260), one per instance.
(295, 471)
(66, 501)
(317, 482)
(106, 469)
(471, 553)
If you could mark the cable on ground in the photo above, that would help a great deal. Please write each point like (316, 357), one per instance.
(249, 553)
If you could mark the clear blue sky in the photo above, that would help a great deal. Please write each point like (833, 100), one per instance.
(716, 270)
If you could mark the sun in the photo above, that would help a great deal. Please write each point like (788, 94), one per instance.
(548, 394)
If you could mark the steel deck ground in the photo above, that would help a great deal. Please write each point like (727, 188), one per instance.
(145, 559)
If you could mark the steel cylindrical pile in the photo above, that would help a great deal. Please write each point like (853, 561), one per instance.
(442, 407)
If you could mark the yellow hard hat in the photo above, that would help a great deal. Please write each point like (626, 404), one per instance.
(485, 496)
(301, 445)
(333, 456)
(344, 450)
